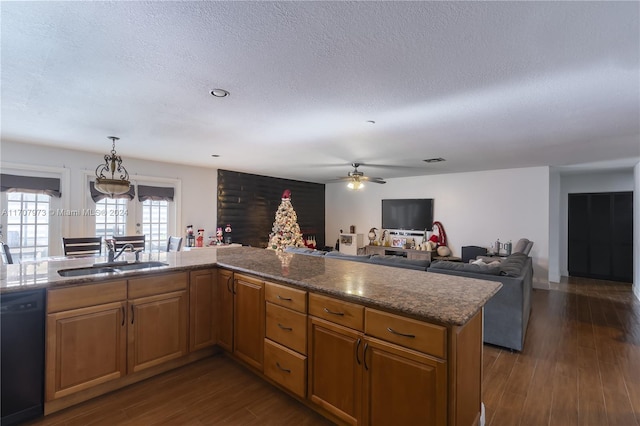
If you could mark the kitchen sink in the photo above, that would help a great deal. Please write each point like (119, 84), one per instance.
(102, 269)
(91, 270)
(140, 265)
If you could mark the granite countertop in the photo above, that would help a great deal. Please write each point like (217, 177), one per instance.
(445, 299)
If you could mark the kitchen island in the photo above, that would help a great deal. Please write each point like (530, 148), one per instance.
(353, 310)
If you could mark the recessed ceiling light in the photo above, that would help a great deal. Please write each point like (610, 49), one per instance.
(215, 155)
(220, 93)
(434, 160)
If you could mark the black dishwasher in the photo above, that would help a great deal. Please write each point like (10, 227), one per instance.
(22, 355)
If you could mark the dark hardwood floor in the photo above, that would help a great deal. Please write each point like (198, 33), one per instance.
(580, 366)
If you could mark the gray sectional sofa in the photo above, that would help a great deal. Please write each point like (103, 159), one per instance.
(395, 261)
(506, 314)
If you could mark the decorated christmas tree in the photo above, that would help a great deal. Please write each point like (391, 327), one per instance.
(285, 231)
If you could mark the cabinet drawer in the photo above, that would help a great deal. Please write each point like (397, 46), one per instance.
(286, 296)
(158, 284)
(286, 367)
(287, 327)
(334, 310)
(421, 336)
(63, 299)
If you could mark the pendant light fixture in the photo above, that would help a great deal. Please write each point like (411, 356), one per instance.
(106, 181)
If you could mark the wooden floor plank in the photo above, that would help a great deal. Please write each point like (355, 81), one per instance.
(537, 407)
(564, 402)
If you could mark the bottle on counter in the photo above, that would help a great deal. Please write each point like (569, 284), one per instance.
(191, 239)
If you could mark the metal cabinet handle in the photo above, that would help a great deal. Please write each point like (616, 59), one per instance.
(286, 370)
(285, 328)
(132, 311)
(333, 313)
(364, 356)
(288, 299)
(357, 350)
(124, 313)
(391, 330)
(230, 286)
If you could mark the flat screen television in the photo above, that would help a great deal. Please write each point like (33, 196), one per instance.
(408, 214)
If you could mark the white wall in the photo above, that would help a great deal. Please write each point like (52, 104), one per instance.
(636, 232)
(576, 183)
(555, 221)
(198, 205)
(474, 208)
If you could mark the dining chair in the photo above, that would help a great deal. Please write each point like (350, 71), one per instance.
(82, 246)
(137, 241)
(174, 243)
(7, 259)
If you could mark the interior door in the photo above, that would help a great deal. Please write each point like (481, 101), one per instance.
(600, 240)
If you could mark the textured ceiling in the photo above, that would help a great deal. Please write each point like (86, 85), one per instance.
(485, 85)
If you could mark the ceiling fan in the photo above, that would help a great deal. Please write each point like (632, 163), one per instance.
(356, 178)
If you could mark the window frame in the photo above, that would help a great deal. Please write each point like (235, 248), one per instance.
(58, 220)
(134, 207)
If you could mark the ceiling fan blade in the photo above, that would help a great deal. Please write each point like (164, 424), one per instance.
(371, 179)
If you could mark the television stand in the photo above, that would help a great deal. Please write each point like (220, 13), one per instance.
(398, 251)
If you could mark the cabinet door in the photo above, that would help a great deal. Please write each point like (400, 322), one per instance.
(402, 386)
(157, 330)
(248, 313)
(335, 371)
(225, 309)
(202, 309)
(85, 347)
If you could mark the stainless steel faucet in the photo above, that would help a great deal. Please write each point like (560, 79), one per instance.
(112, 255)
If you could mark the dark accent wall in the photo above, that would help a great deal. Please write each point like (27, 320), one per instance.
(249, 202)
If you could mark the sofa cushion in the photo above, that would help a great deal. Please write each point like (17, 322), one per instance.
(338, 255)
(523, 246)
(400, 262)
(304, 250)
(512, 265)
(466, 267)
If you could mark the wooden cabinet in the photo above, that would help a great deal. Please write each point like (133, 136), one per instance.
(158, 323)
(335, 356)
(203, 309)
(335, 373)
(418, 335)
(402, 387)
(400, 372)
(225, 309)
(248, 320)
(286, 367)
(86, 337)
(285, 345)
(362, 379)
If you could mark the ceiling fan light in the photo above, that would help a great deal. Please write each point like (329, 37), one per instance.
(355, 185)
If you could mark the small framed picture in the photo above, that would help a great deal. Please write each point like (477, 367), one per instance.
(398, 242)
